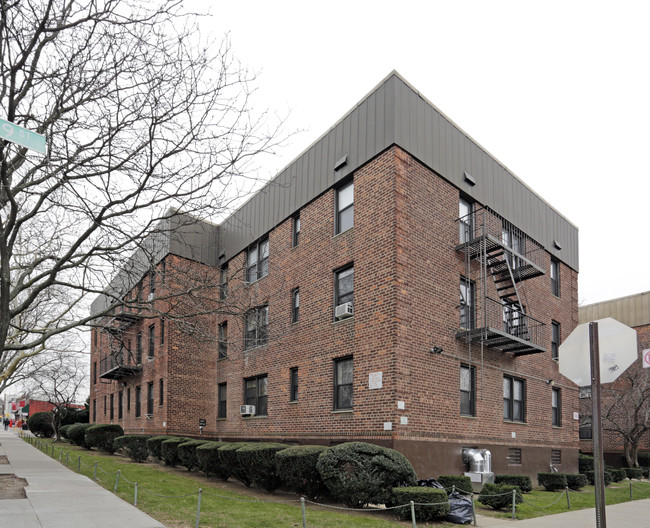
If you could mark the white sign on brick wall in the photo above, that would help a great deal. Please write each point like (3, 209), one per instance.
(375, 380)
(646, 358)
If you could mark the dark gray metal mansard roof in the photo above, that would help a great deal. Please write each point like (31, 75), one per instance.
(394, 113)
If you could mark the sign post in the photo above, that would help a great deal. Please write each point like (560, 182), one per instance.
(597, 426)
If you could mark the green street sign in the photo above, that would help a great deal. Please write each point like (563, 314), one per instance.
(22, 136)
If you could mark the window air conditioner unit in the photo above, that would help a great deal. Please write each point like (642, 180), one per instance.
(344, 310)
(247, 410)
(151, 296)
(148, 416)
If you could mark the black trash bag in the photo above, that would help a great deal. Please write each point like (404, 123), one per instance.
(430, 483)
(460, 508)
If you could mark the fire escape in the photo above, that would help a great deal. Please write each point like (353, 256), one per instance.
(494, 247)
(120, 361)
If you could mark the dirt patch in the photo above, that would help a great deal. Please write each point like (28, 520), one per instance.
(3, 460)
(12, 487)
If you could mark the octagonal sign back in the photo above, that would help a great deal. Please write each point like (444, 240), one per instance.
(617, 345)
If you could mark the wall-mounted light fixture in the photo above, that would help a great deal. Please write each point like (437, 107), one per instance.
(436, 350)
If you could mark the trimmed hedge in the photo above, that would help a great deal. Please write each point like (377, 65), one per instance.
(208, 460)
(230, 462)
(40, 424)
(460, 481)
(576, 481)
(607, 477)
(134, 446)
(437, 503)
(296, 467)
(643, 459)
(633, 473)
(618, 474)
(154, 445)
(499, 496)
(585, 463)
(357, 473)
(187, 453)
(522, 481)
(63, 430)
(77, 434)
(169, 449)
(101, 436)
(552, 481)
(258, 461)
(646, 472)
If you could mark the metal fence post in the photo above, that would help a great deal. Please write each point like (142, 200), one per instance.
(95, 472)
(453, 488)
(60, 454)
(304, 513)
(67, 458)
(198, 509)
(514, 501)
(79, 464)
(135, 495)
(413, 514)
(473, 509)
(630, 490)
(117, 480)
(568, 500)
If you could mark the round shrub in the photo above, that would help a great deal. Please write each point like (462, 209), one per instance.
(499, 496)
(77, 434)
(607, 477)
(154, 445)
(208, 461)
(618, 474)
(169, 449)
(258, 461)
(585, 463)
(431, 504)
(187, 453)
(522, 481)
(357, 473)
(460, 481)
(576, 481)
(552, 481)
(101, 436)
(40, 424)
(296, 467)
(63, 431)
(230, 462)
(134, 446)
(646, 472)
(633, 473)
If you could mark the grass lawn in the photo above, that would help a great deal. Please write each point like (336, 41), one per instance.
(282, 509)
(536, 503)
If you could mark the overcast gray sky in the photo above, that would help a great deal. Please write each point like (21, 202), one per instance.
(557, 91)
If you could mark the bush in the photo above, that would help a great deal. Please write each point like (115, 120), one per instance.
(169, 449)
(460, 481)
(436, 499)
(585, 463)
(154, 445)
(40, 424)
(134, 446)
(63, 430)
(101, 436)
(208, 461)
(258, 461)
(522, 481)
(643, 459)
(552, 481)
(230, 462)
(296, 467)
(646, 472)
(576, 481)
(633, 473)
(618, 474)
(607, 477)
(357, 473)
(499, 496)
(187, 453)
(77, 434)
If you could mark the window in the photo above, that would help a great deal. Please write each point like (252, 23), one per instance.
(585, 427)
(128, 400)
(584, 393)
(556, 457)
(514, 456)
(293, 384)
(467, 304)
(257, 323)
(163, 272)
(162, 331)
(223, 400)
(223, 340)
(152, 282)
(223, 282)
(344, 287)
(295, 305)
(120, 403)
(112, 407)
(467, 390)
(257, 261)
(466, 220)
(256, 393)
(514, 321)
(104, 405)
(150, 398)
(138, 401)
(513, 238)
(343, 384)
(295, 238)
(513, 399)
(555, 277)
(94, 372)
(152, 340)
(555, 340)
(161, 391)
(95, 334)
(345, 208)
(138, 348)
(556, 403)
(94, 410)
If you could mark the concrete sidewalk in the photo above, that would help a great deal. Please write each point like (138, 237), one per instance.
(57, 497)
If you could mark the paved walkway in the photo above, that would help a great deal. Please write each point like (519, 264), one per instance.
(58, 497)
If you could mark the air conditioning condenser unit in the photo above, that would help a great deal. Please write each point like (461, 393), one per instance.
(344, 310)
(247, 410)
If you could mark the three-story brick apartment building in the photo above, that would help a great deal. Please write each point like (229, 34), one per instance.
(394, 284)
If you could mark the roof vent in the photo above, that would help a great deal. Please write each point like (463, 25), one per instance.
(470, 179)
(556, 244)
(341, 162)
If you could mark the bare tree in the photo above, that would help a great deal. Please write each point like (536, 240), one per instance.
(142, 118)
